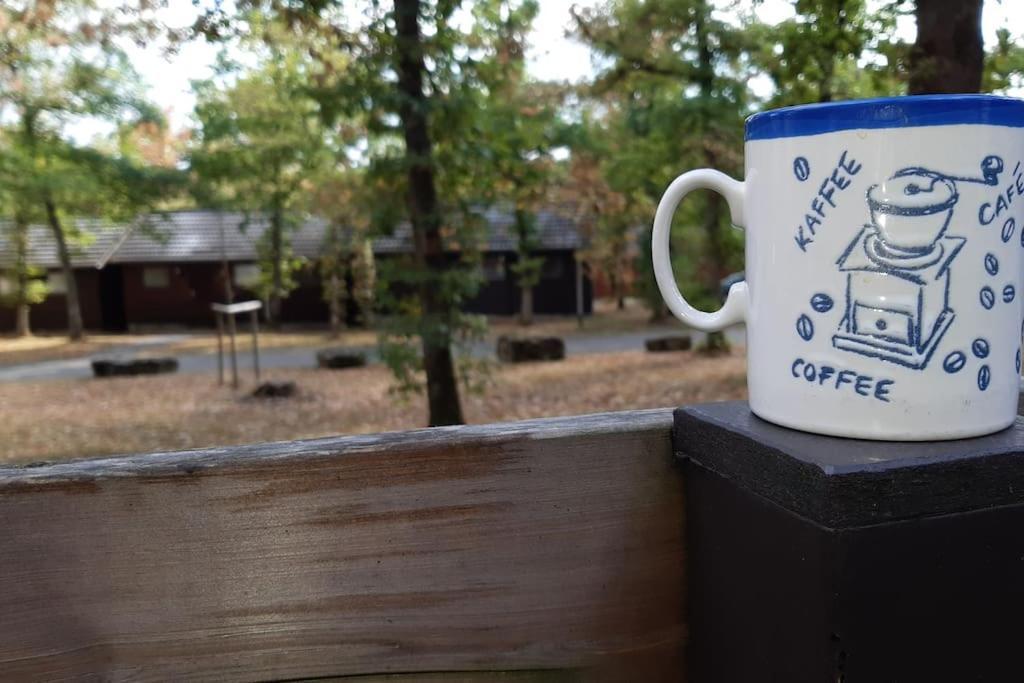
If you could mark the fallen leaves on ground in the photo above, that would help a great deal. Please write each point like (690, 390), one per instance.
(81, 418)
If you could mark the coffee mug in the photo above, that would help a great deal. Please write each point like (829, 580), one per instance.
(884, 245)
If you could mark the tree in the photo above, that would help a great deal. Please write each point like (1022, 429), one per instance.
(260, 140)
(1004, 64)
(609, 213)
(515, 125)
(60, 65)
(410, 73)
(830, 50)
(347, 266)
(424, 210)
(676, 85)
(24, 279)
(948, 55)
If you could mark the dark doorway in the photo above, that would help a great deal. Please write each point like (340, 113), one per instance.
(112, 300)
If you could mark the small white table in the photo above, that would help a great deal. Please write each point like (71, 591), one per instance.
(229, 311)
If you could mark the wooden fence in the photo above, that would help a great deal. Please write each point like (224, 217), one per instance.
(552, 548)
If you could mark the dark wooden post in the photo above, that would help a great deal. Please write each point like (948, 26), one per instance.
(253, 316)
(220, 347)
(820, 559)
(579, 288)
(234, 353)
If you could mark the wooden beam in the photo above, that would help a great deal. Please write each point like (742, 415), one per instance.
(540, 545)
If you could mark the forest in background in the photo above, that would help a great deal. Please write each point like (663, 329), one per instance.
(370, 114)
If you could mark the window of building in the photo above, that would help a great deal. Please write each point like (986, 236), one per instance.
(246, 275)
(56, 283)
(7, 285)
(156, 277)
(494, 268)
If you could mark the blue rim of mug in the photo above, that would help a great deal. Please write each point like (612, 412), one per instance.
(886, 112)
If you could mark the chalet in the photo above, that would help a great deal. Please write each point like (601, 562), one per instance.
(165, 271)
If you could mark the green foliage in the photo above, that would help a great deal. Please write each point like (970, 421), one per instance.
(831, 50)
(60, 65)
(261, 142)
(672, 96)
(1004, 64)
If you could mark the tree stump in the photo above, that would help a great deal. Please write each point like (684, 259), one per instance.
(336, 359)
(127, 367)
(526, 349)
(679, 342)
(275, 390)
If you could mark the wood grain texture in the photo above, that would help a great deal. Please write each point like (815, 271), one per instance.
(547, 544)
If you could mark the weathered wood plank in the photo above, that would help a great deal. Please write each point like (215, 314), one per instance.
(548, 544)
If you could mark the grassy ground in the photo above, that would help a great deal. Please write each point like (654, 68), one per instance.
(78, 418)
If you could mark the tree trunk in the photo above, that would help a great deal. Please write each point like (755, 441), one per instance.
(619, 287)
(948, 55)
(526, 306)
(76, 330)
(276, 267)
(22, 326)
(526, 274)
(442, 389)
(333, 285)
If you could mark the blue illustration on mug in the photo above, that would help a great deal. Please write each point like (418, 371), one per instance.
(1008, 227)
(984, 377)
(801, 168)
(980, 348)
(954, 362)
(991, 264)
(987, 297)
(1008, 293)
(822, 303)
(1018, 360)
(805, 327)
(898, 267)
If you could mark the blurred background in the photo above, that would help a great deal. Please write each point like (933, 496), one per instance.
(405, 183)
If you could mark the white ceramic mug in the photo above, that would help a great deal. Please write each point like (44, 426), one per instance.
(884, 246)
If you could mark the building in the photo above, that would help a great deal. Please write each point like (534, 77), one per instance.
(166, 270)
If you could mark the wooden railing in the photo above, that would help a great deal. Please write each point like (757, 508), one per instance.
(551, 547)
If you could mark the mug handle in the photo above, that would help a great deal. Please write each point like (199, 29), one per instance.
(735, 308)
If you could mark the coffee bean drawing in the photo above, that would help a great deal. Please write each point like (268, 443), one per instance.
(1008, 293)
(954, 362)
(984, 377)
(801, 168)
(1018, 361)
(980, 348)
(822, 303)
(988, 297)
(1008, 227)
(805, 327)
(991, 264)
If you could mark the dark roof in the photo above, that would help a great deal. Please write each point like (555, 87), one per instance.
(195, 236)
(42, 248)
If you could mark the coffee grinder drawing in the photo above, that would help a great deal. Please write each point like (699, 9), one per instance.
(898, 267)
